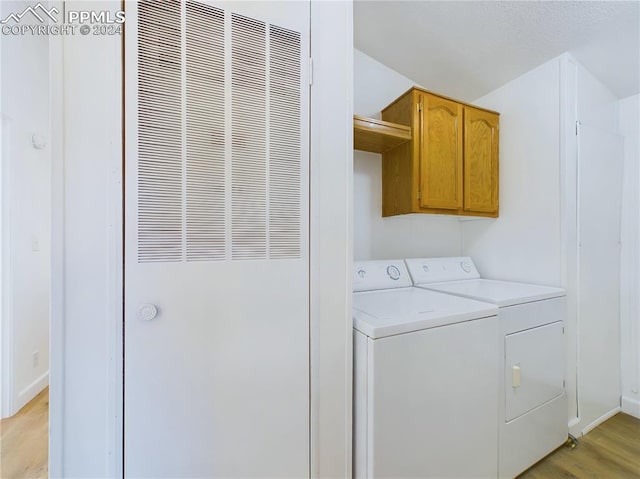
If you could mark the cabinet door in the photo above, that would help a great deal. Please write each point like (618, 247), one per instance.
(480, 161)
(441, 153)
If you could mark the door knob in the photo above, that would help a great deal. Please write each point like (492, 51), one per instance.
(147, 312)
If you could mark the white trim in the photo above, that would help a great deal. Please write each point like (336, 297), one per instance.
(56, 305)
(107, 430)
(331, 238)
(631, 406)
(114, 426)
(2, 230)
(7, 393)
(568, 226)
(348, 334)
(637, 319)
(348, 326)
(600, 420)
(115, 283)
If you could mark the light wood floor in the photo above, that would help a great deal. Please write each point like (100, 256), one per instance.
(610, 451)
(24, 441)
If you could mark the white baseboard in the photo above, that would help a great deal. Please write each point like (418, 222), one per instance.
(31, 391)
(601, 419)
(631, 406)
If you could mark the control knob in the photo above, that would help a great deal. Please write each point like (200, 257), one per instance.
(393, 272)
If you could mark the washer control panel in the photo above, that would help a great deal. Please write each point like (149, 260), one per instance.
(434, 270)
(383, 274)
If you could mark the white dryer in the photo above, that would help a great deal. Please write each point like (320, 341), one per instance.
(532, 407)
(425, 379)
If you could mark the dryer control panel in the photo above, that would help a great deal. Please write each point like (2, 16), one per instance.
(435, 270)
(382, 274)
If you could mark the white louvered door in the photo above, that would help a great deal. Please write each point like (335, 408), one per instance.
(216, 239)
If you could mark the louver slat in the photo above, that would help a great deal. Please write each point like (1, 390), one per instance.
(188, 143)
(284, 143)
(159, 132)
(248, 139)
(205, 168)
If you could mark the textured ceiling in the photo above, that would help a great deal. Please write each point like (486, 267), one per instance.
(467, 49)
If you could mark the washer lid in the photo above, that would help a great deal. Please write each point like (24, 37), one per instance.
(500, 293)
(395, 311)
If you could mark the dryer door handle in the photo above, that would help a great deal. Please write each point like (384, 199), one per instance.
(515, 376)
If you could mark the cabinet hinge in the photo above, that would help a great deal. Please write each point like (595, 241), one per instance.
(577, 127)
(419, 107)
(310, 71)
(419, 195)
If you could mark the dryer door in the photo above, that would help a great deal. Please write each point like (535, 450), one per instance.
(534, 368)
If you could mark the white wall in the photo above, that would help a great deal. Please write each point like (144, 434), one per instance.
(629, 127)
(596, 105)
(523, 244)
(403, 236)
(26, 185)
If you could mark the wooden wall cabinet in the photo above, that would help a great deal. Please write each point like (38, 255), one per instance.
(450, 166)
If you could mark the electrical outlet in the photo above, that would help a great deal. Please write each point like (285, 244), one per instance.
(34, 359)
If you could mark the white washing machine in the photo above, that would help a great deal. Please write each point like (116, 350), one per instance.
(532, 407)
(425, 379)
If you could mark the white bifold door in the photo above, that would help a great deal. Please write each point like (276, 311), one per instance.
(216, 239)
(600, 171)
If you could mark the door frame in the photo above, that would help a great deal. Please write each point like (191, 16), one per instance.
(56, 308)
(7, 398)
(331, 233)
(62, 106)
